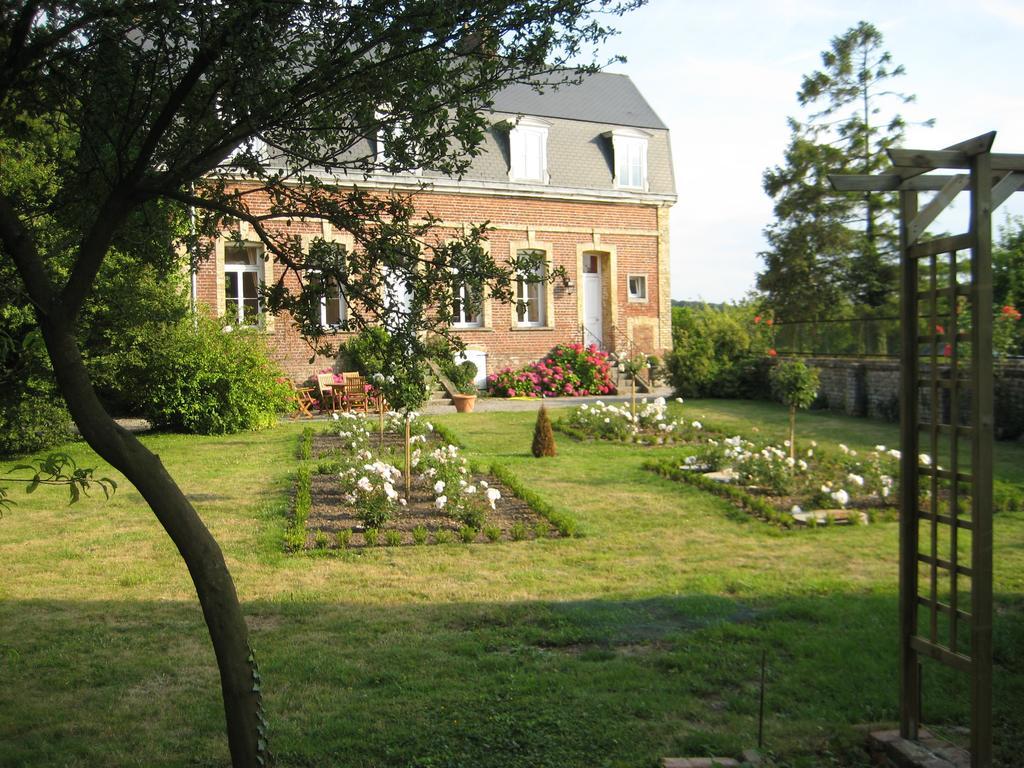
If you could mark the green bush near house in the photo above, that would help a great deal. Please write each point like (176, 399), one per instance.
(202, 378)
(719, 352)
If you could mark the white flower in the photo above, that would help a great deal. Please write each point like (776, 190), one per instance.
(483, 484)
(227, 329)
(857, 480)
(796, 509)
(880, 448)
(679, 400)
(810, 453)
(841, 497)
(786, 443)
(470, 489)
(790, 462)
(493, 494)
(925, 459)
(440, 501)
(607, 421)
(439, 487)
(364, 484)
(802, 464)
(697, 425)
(844, 448)
(390, 492)
(886, 490)
(895, 453)
(402, 502)
(335, 416)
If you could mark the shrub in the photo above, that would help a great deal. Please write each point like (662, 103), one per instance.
(467, 534)
(462, 376)
(419, 534)
(795, 385)
(518, 532)
(371, 535)
(31, 421)
(543, 437)
(493, 533)
(392, 538)
(719, 351)
(207, 379)
(344, 537)
(569, 369)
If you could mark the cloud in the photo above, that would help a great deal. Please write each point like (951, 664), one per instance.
(1012, 12)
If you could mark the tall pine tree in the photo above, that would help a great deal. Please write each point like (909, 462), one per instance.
(825, 248)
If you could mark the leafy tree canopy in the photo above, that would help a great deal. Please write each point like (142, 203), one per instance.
(249, 112)
(826, 248)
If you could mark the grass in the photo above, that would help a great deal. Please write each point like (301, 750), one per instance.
(638, 639)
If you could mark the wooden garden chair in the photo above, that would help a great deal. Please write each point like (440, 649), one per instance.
(356, 398)
(325, 383)
(303, 399)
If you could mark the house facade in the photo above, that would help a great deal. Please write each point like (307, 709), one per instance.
(582, 174)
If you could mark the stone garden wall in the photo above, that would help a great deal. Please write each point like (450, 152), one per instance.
(867, 387)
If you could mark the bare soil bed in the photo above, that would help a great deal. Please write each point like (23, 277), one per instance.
(330, 514)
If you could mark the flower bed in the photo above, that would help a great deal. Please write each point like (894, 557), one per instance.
(811, 487)
(651, 425)
(355, 496)
(569, 370)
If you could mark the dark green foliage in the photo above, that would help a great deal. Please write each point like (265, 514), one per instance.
(827, 248)
(373, 352)
(467, 534)
(32, 419)
(543, 437)
(199, 378)
(371, 535)
(393, 538)
(794, 384)
(517, 532)
(493, 533)
(462, 376)
(719, 352)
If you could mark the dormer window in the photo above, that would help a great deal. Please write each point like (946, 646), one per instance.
(528, 150)
(630, 149)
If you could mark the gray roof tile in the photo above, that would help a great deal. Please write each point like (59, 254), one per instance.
(601, 97)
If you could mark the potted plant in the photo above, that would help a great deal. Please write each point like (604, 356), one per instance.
(463, 378)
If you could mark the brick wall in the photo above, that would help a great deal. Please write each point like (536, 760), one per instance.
(630, 231)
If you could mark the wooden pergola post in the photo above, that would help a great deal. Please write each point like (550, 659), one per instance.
(946, 365)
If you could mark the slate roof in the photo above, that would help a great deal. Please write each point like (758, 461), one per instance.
(601, 97)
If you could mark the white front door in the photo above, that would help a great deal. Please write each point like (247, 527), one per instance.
(593, 318)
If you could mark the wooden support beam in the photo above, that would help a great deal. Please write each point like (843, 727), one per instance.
(924, 160)
(936, 205)
(968, 148)
(892, 182)
(1006, 186)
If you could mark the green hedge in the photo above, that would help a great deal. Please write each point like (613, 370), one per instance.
(200, 377)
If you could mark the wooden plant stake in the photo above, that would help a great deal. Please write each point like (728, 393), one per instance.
(408, 461)
(380, 411)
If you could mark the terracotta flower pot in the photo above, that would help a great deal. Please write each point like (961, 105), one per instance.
(464, 403)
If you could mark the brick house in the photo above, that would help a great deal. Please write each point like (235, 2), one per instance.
(582, 173)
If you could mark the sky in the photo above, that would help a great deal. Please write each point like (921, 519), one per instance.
(723, 75)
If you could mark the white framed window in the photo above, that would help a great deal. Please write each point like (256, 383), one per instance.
(466, 306)
(333, 310)
(637, 287)
(243, 271)
(531, 292)
(528, 150)
(629, 146)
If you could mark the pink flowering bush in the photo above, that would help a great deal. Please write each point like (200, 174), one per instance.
(570, 369)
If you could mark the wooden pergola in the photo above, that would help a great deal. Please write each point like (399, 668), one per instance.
(946, 407)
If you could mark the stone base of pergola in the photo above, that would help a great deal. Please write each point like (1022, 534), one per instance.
(889, 750)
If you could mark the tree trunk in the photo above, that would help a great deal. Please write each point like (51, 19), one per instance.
(239, 678)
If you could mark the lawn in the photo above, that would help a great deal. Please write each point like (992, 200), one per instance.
(639, 639)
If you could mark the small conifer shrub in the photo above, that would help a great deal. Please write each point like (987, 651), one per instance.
(543, 437)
